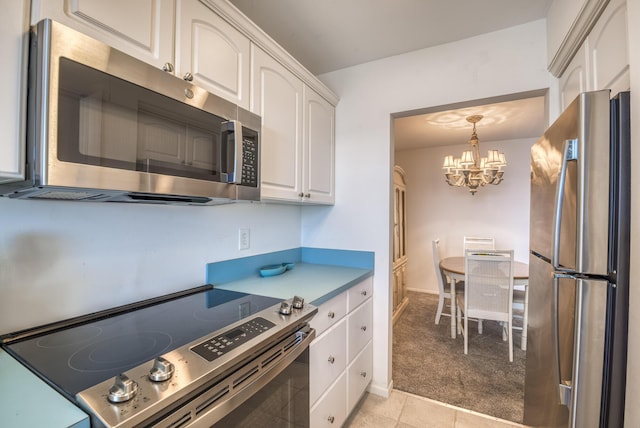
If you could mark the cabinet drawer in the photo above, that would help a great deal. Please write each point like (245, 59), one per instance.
(359, 293)
(359, 376)
(327, 359)
(329, 313)
(331, 409)
(360, 328)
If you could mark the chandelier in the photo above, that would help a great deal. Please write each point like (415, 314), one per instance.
(472, 171)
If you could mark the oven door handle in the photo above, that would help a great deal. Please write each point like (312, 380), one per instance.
(268, 371)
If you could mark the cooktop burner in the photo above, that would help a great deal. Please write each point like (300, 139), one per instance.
(74, 358)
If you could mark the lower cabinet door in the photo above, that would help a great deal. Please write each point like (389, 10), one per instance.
(359, 376)
(327, 359)
(360, 328)
(331, 409)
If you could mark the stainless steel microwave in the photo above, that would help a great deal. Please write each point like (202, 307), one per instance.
(104, 126)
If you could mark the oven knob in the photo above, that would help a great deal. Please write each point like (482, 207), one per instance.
(124, 389)
(162, 370)
(285, 308)
(298, 302)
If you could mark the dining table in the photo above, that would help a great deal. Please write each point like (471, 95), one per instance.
(453, 268)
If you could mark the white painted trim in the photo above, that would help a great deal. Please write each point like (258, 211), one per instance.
(422, 290)
(380, 390)
(261, 39)
(578, 32)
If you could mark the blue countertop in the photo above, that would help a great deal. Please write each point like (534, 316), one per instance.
(314, 283)
(26, 401)
(318, 275)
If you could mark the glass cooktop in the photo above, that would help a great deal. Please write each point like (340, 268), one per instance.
(76, 358)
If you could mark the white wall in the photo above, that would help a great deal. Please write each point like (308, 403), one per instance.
(504, 62)
(632, 414)
(437, 210)
(61, 259)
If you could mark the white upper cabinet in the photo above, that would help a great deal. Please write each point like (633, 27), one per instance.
(14, 38)
(608, 49)
(213, 52)
(277, 97)
(319, 149)
(141, 28)
(602, 61)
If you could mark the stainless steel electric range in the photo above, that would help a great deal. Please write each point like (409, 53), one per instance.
(203, 357)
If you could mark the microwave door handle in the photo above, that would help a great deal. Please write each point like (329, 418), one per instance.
(231, 152)
(569, 153)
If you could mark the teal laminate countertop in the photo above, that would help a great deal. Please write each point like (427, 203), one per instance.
(314, 283)
(318, 275)
(27, 402)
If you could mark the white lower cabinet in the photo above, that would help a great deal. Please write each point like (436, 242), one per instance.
(359, 375)
(331, 409)
(340, 358)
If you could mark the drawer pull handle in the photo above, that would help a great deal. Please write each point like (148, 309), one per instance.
(331, 360)
(363, 292)
(363, 328)
(331, 419)
(331, 315)
(363, 374)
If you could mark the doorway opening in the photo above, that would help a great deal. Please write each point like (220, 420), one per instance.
(437, 368)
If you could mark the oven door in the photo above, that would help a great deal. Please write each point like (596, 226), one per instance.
(272, 389)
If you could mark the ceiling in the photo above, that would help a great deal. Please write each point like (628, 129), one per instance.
(328, 35)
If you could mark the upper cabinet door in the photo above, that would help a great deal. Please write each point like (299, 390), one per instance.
(277, 97)
(319, 149)
(213, 52)
(14, 38)
(141, 28)
(608, 49)
(575, 78)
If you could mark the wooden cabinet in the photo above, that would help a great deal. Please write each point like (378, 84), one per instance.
(142, 28)
(14, 43)
(602, 61)
(400, 299)
(340, 358)
(213, 52)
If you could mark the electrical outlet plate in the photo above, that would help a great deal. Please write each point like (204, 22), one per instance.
(244, 239)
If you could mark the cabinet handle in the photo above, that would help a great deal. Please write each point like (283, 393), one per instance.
(308, 196)
(301, 195)
(331, 315)
(363, 374)
(363, 292)
(168, 67)
(188, 77)
(331, 360)
(331, 419)
(363, 328)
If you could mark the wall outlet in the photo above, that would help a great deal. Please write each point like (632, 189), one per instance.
(244, 239)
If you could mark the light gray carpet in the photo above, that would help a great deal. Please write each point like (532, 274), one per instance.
(429, 363)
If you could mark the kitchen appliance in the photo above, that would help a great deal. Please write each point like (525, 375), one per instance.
(203, 357)
(579, 266)
(104, 126)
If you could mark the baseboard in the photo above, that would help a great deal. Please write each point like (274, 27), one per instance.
(380, 390)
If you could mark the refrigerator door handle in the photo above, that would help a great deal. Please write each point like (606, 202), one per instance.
(564, 386)
(570, 153)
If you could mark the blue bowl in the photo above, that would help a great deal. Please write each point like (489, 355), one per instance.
(272, 270)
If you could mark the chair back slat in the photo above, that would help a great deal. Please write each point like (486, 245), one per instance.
(478, 243)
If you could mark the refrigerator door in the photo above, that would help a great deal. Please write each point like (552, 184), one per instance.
(570, 187)
(542, 407)
(565, 349)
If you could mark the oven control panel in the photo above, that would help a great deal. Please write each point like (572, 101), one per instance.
(219, 345)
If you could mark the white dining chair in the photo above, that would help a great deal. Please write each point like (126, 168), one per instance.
(443, 284)
(488, 292)
(478, 243)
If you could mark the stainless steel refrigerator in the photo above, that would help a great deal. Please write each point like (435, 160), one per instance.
(579, 266)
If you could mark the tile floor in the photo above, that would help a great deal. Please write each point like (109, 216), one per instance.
(404, 410)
